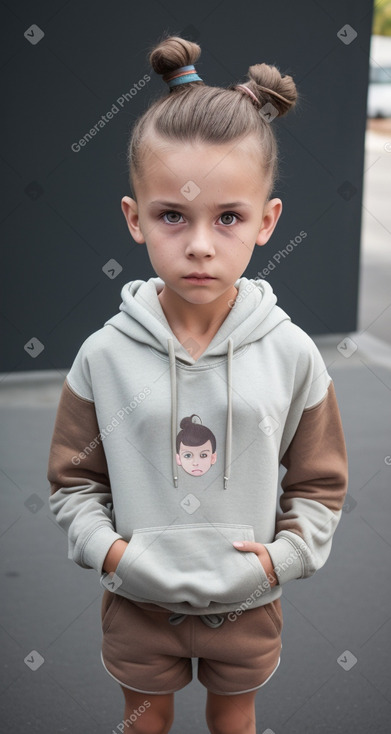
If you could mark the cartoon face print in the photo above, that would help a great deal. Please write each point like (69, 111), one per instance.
(196, 460)
(196, 447)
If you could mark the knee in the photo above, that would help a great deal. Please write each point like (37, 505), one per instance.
(152, 716)
(152, 722)
(229, 723)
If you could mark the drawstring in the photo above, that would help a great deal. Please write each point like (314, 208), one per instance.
(174, 408)
(228, 436)
(174, 418)
(211, 620)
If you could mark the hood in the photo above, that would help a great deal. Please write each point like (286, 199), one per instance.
(254, 314)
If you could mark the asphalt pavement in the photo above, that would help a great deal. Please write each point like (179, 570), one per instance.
(334, 674)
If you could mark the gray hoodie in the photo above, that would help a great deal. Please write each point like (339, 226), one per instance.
(180, 456)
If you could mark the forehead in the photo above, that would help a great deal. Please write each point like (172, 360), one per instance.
(222, 169)
(203, 447)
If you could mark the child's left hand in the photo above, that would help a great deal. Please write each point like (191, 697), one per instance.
(263, 555)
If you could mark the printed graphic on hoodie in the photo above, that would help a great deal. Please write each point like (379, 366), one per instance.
(195, 446)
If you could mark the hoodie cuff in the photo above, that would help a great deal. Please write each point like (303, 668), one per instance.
(98, 546)
(287, 559)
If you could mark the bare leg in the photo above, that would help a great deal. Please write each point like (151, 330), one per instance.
(149, 713)
(231, 714)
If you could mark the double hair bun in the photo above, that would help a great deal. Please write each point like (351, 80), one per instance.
(174, 58)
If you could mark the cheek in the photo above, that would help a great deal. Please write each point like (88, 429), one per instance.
(161, 252)
(246, 239)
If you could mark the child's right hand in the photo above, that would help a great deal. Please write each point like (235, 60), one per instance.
(114, 555)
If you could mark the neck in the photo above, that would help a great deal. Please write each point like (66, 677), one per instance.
(199, 319)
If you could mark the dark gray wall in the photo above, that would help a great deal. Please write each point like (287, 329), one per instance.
(60, 210)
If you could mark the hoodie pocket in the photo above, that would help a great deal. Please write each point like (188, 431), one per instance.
(196, 564)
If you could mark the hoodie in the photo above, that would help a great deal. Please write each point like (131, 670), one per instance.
(180, 456)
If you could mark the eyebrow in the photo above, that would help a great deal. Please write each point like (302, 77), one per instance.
(184, 451)
(175, 205)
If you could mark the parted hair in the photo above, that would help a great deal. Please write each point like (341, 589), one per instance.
(214, 115)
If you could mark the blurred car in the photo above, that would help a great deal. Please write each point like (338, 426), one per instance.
(379, 88)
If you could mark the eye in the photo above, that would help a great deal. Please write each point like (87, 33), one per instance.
(229, 214)
(176, 214)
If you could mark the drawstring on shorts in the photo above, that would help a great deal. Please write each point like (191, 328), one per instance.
(211, 620)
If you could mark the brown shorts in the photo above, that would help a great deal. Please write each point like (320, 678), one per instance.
(143, 651)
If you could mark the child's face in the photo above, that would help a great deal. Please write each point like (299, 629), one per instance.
(196, 460)
(187, 215)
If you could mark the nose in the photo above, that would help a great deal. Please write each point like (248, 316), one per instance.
(200, 243)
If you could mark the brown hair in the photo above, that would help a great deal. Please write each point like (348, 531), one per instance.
(194, 434)
(197, 112)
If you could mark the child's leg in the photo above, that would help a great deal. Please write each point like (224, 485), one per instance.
(157, 718)
(231, 714)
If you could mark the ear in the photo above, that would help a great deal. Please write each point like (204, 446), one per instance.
(271, 215)
(130, 209)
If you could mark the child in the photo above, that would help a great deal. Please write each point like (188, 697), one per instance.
(193, 565)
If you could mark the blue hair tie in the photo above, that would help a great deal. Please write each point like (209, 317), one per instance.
(182, 75)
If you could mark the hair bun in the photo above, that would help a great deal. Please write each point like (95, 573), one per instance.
(188, 421)
(173, 52)
(283, 93)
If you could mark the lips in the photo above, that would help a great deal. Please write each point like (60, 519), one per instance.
(201, 276)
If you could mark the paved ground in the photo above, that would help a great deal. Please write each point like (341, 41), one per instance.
(343, 612)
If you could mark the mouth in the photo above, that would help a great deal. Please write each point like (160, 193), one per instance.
(199, 277)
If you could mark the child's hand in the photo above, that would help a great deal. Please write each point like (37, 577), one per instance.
(263, 555)
(114, 555)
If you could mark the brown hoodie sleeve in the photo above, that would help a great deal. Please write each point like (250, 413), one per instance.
(79, 482)
(314, 489)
